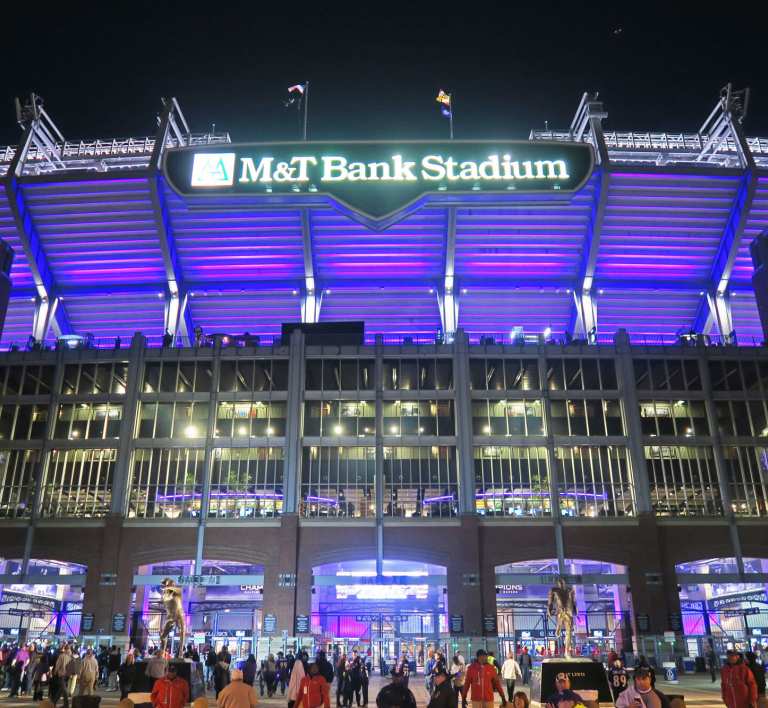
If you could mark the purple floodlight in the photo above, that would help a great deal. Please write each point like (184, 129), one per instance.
(432, 500)
(322, 500)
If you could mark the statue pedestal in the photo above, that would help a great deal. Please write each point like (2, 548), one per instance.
(584, 673)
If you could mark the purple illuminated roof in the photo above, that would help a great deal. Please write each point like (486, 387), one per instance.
(112, 243)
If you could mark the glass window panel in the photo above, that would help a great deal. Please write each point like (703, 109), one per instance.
(642, 375)
(338, 482)
(676, 374)
(420, 482)
(555, 379)
(166, 483)
(477, 374)
(349, 374)
(365, 374)
(594, 481)
(659, 377)
(573, 374)
(17, 482)
(152, 377)
(314, 375)
(589, 370)
(246, 483)
(168, 376)
(280, 375)
(683, 481)
(608, 375)
(692, 374)
(78, 483)
(511, 481)
(227, 376)
(747, 479)
(751, 376)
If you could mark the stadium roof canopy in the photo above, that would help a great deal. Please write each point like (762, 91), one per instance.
(657, 241)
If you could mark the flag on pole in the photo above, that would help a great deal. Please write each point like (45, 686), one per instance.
(444, 99)
(295, 94)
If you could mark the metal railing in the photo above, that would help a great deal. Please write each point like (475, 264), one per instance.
(102, 155)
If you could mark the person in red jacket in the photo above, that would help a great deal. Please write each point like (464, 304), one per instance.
(170, 691)
(313, 690)
(737, 684)
(483, 679)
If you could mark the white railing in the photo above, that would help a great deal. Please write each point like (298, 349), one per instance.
(134, 151)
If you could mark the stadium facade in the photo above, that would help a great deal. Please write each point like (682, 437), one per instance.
(557, 377)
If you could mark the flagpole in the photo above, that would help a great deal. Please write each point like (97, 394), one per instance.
(306, 106)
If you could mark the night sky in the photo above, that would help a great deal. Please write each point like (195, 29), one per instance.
(102, 68)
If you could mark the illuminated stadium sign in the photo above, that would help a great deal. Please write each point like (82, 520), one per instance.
(378, 179)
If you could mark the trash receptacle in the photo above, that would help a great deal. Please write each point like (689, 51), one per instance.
(689, 665)
(670, 671)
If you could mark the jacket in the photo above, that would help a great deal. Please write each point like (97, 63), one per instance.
(510, 670)
(60, 668)
(89, 671)
(293, 685)
(395, 694)
(237, 695)
(313, 692)
(483, 679)
(170, 694)
(444, 696)
(630, 695)
(737, 686)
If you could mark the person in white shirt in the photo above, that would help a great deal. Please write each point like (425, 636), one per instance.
(510, 672)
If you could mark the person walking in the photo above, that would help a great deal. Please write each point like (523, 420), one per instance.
(89, 674)
(237, 694)
(314, 690)
(61, 676)
(113, 666)
(526, 664)
(483, 679)
(156, 668)
(457, 671)
(40, 675)
(443, 695)
(641, 693)
(249, 670)
(170, 691)
(126, 675)
(210, 662)
(737, 684)
(221, 672)
(297, 673)
(396, 694)
(510, 672)
(758, 671)
(712, 662)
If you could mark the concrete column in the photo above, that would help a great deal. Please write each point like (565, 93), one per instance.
(280, 575)
(463, 410)
(294, 418)
(625, 375)
(210, 442)
(379, 472)
(128, 422)
(465, 596)
(722, 472)
(554, 477)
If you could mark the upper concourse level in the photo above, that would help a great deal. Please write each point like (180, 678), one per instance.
(527, 432)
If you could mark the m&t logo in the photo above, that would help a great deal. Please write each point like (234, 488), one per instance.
(213, 169)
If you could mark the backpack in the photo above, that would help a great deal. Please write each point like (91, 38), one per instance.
(73, 667)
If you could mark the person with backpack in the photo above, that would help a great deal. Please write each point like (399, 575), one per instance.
(126, 675)
(314, 691)
(89, 674)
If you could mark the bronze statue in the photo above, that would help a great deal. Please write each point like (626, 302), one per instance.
(561, 604)
(174, 615)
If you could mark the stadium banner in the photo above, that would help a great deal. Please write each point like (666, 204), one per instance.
(378, 179)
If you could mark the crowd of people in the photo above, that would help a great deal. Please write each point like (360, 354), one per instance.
(61, 672)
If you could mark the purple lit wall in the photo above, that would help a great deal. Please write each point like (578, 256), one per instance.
(483, 312)
(97, 232)
(746, 320)
(388, 310)
(18, 322)
(21, 275)
(235, 312)
(663, 226)
(227, 241)
(346, 250)
(117, 315)
(529, 240)
(651, 317)
(757, 222)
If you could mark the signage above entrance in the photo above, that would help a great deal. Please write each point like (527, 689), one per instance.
(377, 179)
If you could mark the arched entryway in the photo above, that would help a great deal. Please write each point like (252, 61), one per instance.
(405, 609)
(46, 604)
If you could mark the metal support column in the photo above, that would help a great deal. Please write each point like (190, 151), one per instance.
(464, 436)
(554, 477)
(210, 442)
(43, 462)
(379, 474)
(720, 466)
(625, 374)
(133, 389)
(292, 454)
(447, 300)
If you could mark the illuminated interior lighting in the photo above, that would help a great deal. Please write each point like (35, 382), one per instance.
(190, 431)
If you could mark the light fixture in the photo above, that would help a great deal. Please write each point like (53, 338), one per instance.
(242, 430)
(190, 431)
(394, 430)
(547, 332)
(270, 431)
(338, 430)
